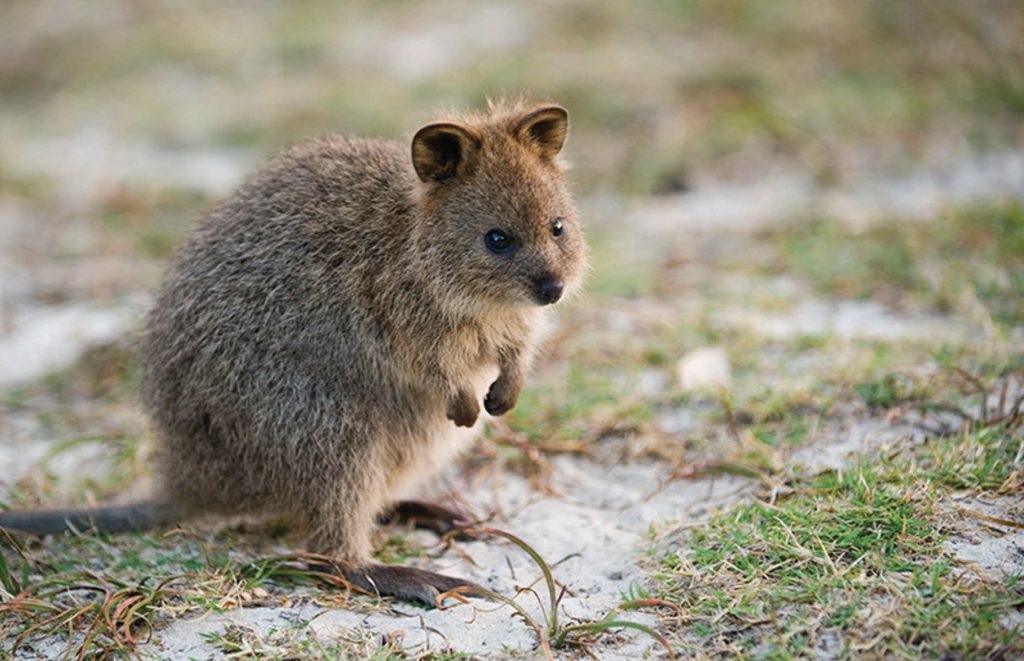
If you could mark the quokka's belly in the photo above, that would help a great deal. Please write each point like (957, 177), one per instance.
(439, 442)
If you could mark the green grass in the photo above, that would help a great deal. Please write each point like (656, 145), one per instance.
(964, 260)
(851, 559)
(987, 459)
(621, 274)
(398, 549)
(889, 391)
(86, 407)
(849, 266)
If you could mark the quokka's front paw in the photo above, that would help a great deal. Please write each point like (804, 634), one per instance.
(502, 396)
(463, 410)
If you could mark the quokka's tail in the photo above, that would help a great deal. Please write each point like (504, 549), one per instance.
(110, 519)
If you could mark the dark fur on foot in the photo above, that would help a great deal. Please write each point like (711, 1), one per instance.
(405, 583)
(437, 518)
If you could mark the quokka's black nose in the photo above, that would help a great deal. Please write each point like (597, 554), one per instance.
(549, 290)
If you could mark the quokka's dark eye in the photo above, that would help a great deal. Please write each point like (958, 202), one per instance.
(498, 242)
(556, 228)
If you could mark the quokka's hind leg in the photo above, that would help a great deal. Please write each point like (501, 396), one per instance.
(351, 546)
(342, 529)
(429, 516)
(340, 521)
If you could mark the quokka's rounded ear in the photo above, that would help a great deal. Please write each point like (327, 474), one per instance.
(443, 150)
(545, 129)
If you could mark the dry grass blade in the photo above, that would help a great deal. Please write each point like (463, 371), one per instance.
(549, 579)
(607, 624)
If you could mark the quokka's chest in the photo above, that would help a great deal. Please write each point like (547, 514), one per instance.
(435, 440)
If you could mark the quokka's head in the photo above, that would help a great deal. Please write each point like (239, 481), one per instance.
(498, 226)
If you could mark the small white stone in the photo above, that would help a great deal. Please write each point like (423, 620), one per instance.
(707, 367)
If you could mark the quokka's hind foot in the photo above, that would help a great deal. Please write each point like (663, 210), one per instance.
(405, 583)
(430, 516)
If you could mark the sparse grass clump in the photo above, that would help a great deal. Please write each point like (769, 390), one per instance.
(971, 260)
(990, 460)
(851, 562)
(239, 642)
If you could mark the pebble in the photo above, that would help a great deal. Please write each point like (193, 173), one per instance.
(704, 368)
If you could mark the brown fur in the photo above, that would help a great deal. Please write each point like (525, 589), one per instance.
(325, 331)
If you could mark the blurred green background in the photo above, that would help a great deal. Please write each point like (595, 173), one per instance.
(121, 120)
(658, 90)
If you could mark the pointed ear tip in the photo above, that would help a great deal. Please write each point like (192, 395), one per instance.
(432, 129)
(438, 129)
(553, 109)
